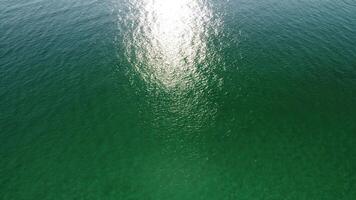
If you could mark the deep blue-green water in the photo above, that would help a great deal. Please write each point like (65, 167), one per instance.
(178, 99)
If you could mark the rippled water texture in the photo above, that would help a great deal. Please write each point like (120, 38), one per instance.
(178, 99)
(169, 46)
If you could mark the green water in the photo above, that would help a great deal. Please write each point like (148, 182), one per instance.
(178, 99)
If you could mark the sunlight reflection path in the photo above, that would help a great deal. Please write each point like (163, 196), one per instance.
(170, 41)
(169, 45)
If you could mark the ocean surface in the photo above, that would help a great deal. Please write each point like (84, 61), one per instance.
(177, 99)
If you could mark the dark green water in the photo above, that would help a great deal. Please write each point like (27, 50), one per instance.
(178, 99)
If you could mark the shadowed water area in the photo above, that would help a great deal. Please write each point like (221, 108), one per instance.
(178, 99)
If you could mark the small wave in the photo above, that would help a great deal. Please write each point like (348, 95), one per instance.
(349, 2)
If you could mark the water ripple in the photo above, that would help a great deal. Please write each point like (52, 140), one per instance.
(168, 44)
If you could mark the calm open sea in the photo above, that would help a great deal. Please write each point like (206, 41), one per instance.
(177, 99)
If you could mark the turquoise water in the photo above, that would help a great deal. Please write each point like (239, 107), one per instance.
(168, 99)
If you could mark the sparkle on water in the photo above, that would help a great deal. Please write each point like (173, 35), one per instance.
(167, 45)
(169, 41)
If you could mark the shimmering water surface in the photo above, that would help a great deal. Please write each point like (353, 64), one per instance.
(178, 99)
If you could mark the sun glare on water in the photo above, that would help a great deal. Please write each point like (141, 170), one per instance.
(170, 41)
(168, 44)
